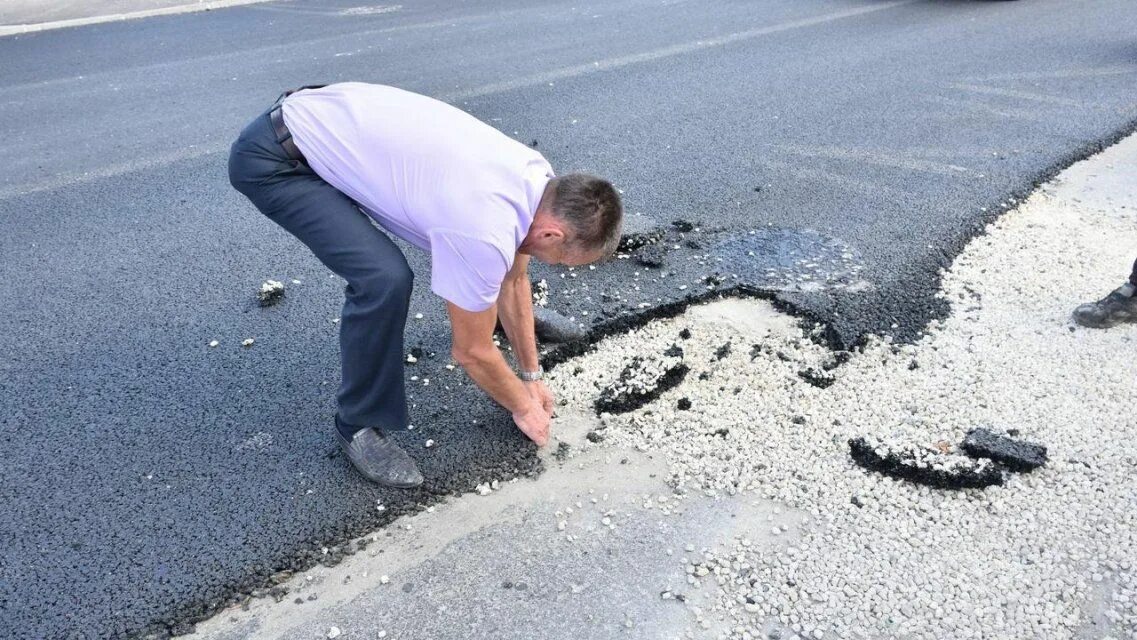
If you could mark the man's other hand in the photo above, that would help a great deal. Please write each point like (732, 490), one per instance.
(534, 422)
(540, 392)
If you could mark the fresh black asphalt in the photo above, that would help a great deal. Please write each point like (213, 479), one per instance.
(147, 478)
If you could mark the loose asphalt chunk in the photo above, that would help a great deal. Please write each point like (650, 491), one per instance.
(1016, 455)
(270, 293)
(925, 468)
(624, 395)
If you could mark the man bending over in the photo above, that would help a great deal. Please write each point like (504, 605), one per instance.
(326, 162)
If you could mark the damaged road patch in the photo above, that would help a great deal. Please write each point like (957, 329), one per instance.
(775, 259)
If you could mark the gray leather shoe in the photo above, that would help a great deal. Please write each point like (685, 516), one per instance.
(379, 459)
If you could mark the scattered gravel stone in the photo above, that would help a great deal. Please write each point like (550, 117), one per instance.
(271, 292)
(1016, 455)
(684, 404)
(247, 342)
(214, 343)
(334, 632)
(540, 293)
(629, 242)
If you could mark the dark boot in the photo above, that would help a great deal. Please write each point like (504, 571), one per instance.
(1118, 307)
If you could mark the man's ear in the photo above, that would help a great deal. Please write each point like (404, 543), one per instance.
(553, 232)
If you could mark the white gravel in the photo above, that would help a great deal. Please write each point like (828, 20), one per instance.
(1050, 554)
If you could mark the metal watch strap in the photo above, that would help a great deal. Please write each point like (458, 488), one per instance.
(532, 376)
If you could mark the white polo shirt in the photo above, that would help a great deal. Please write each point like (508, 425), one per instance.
(430, 174)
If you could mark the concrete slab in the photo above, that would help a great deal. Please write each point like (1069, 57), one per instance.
(574, 553)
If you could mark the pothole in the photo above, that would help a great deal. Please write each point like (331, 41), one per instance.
(776, 259)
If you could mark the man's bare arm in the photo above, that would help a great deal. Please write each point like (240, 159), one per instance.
(515, 308)
(474, 349)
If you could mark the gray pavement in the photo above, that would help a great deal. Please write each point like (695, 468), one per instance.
(149, 478)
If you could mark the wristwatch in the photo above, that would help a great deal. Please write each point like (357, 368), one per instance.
(532, 376)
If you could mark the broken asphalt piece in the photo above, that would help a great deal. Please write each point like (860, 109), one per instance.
(816, 378)
(271, 293)
(638, 384)
(684, 404)
(722, 351)
(1016, 455)
(651, 255)
(925, 467)
(562, 451)
(594, 436)
(682, 226)
(674, 351)
(553, 327)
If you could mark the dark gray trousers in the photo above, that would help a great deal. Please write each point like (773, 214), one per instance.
(372, 392)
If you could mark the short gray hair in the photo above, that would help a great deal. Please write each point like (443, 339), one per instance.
(591, 206)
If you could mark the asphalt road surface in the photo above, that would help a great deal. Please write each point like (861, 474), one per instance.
(147, 478)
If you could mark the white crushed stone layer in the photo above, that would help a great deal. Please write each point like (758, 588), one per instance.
(1050, 554)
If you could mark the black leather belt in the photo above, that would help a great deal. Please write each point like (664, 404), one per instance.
(283, 135)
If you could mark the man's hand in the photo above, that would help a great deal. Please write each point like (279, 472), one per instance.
(539, 391)
(534, 422)
(473, 348)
